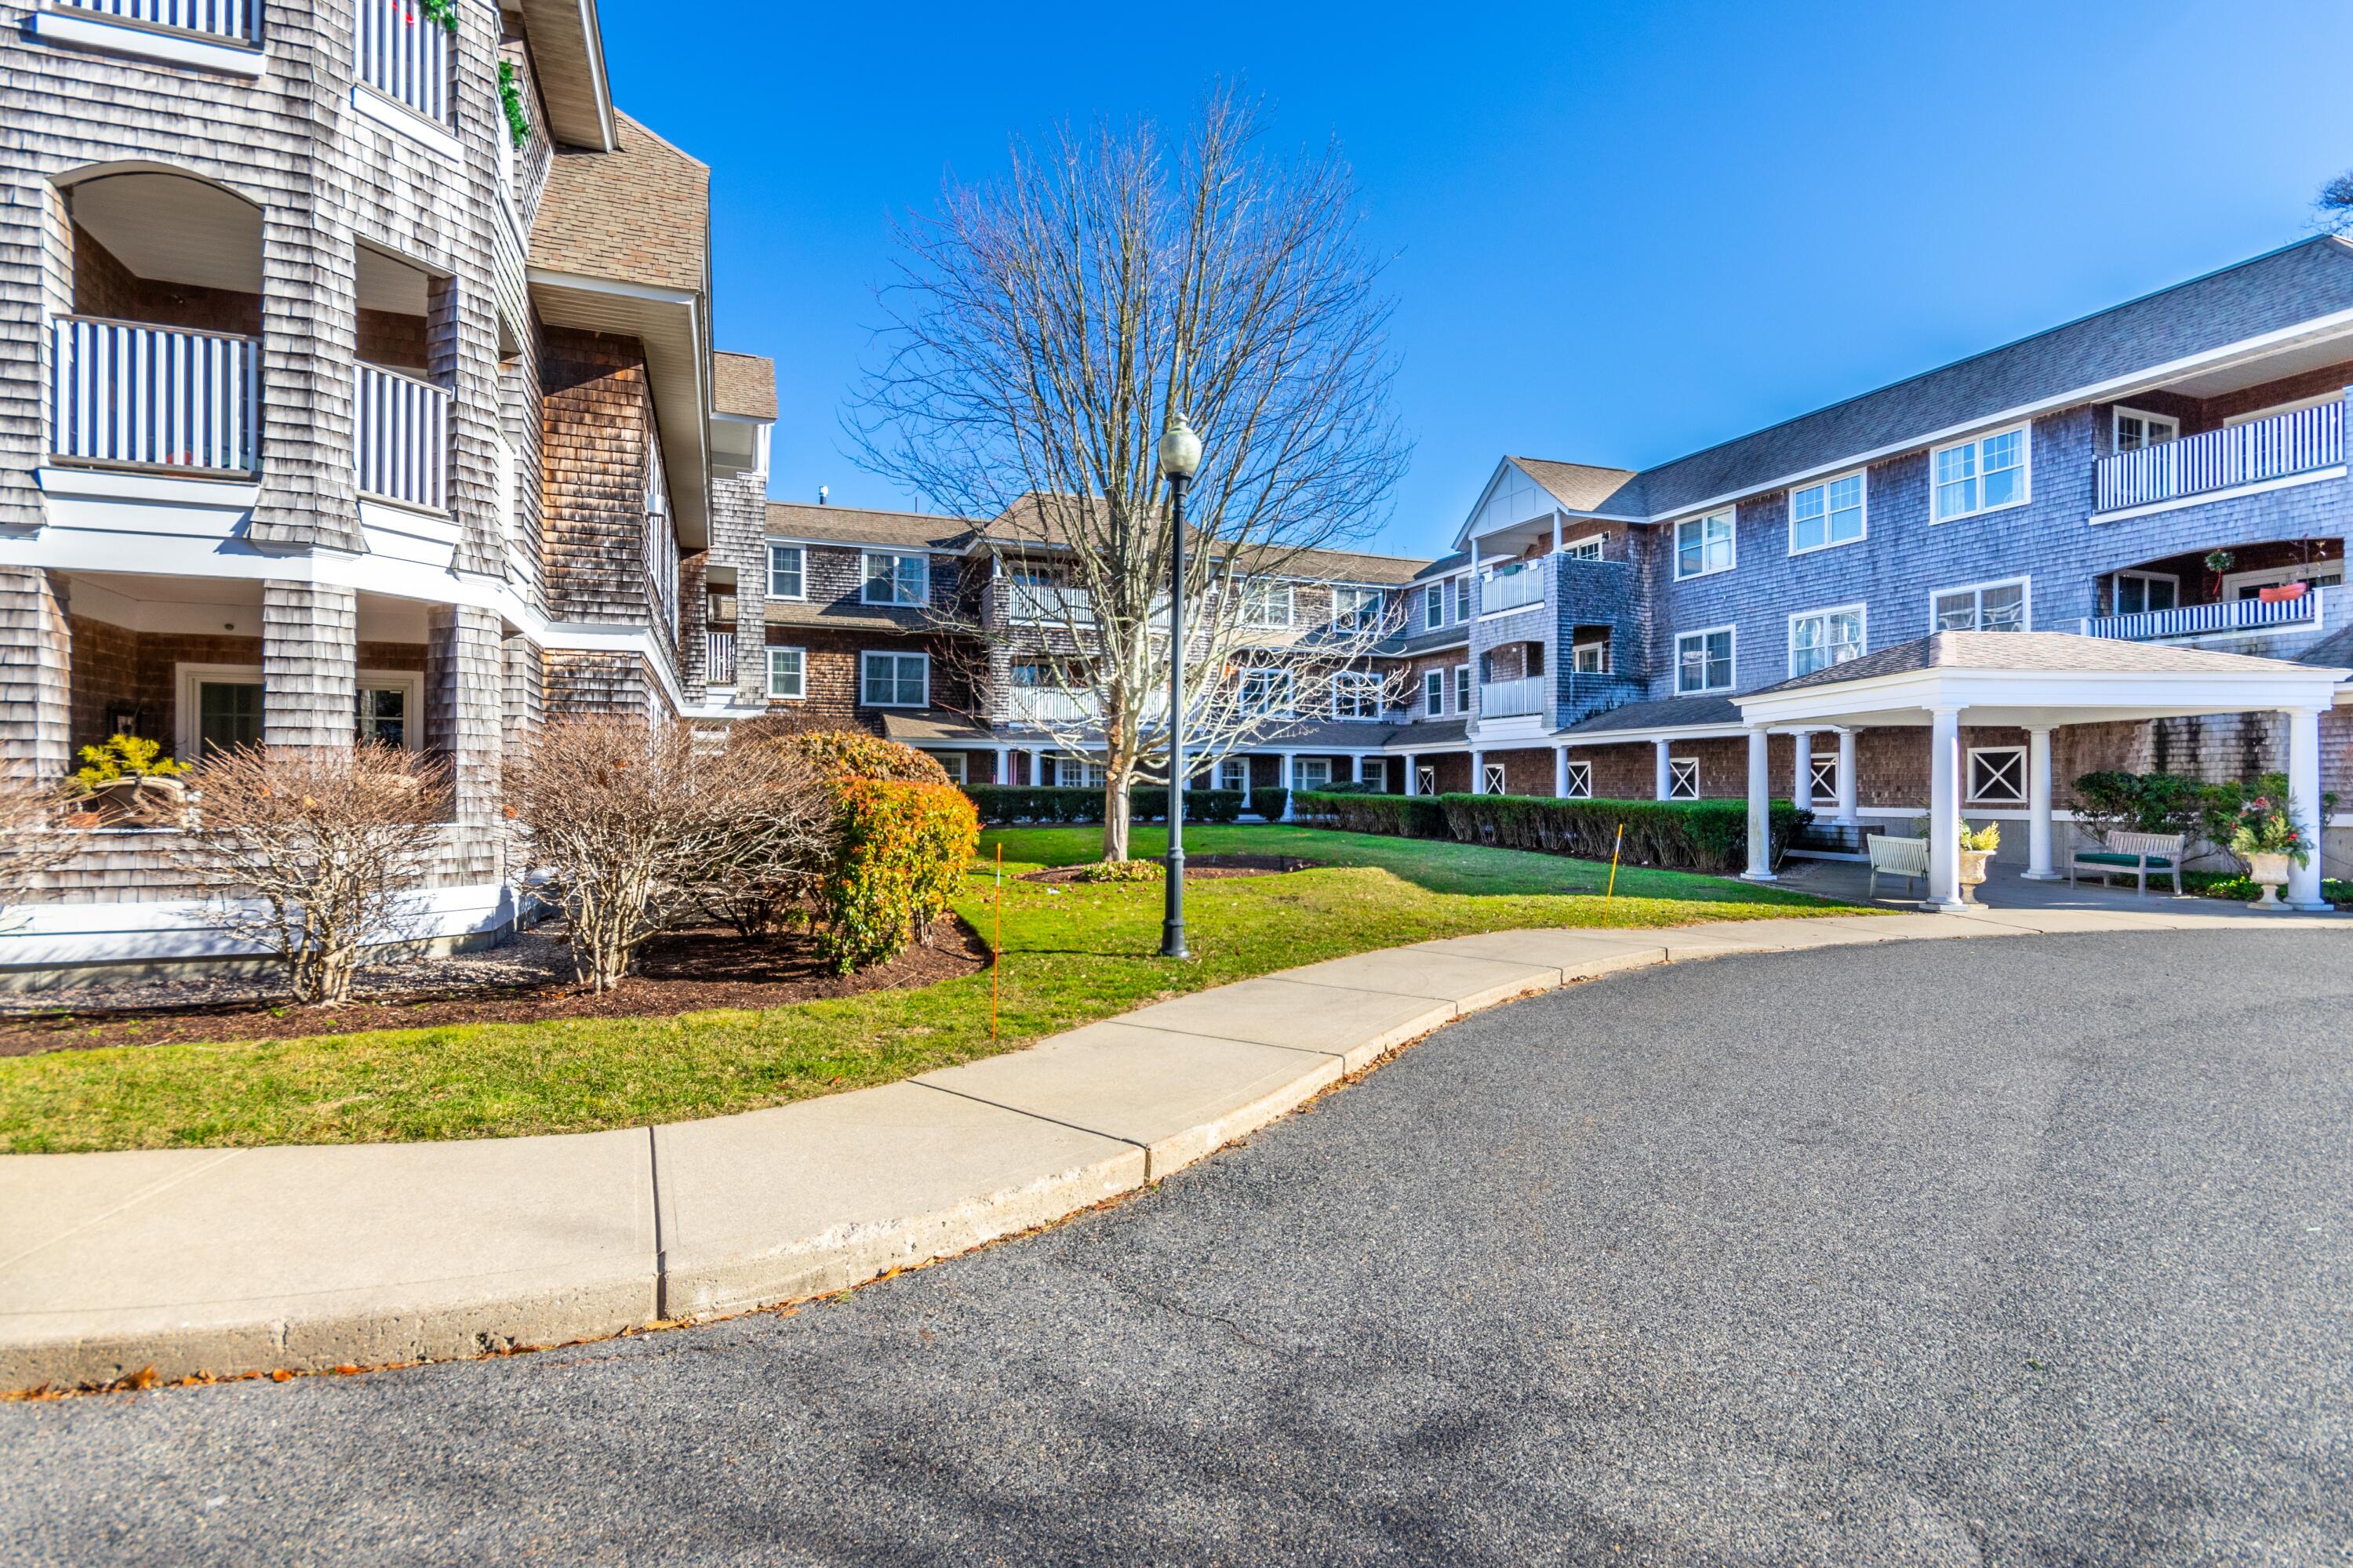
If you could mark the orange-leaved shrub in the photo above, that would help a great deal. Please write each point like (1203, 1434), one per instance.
(903, 837)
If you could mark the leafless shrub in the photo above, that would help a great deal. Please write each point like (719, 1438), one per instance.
(773, 835)
(34, 839)
(634, 827)
(314, 854)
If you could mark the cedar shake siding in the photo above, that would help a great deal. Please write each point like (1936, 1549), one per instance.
(596, 427)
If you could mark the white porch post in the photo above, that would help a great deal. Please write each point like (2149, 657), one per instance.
(1356, 767)
(1761, 808)
(1478, 772)
(2038, 806)
(1037, 772)
(1288, 776)
(1005, 764)
(1660, 791)
(1559, 772)
(1847, 785)
(1944, 810)
(1412, 779)
(1248, 775)
(1803, 792)
(2303, 790)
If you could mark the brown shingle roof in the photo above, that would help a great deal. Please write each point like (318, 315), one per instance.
(743, 384)
(1580, 486)
(1027, 521)
(640, 213)
(797, 520)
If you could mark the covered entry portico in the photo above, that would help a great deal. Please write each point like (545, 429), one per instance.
(2034, 681)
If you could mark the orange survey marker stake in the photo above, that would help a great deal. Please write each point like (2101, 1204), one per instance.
(1612, 894)
(997, 945)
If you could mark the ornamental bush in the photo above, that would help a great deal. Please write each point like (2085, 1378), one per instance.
(1682, 835)
(1399, 816)
(901, 850)
(854, 754)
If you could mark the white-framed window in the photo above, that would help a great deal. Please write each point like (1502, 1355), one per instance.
(1310, 772)
(1830, 513)
(1357, 608)
(1434, 691)
(1233, 773)
(1356, 694)
(1433, 607)
(896, 577)
(1266, 603)
(789, 672)
(1998, 775)
(2140, 591)
(1462, 688)
(1821, 638)
(1982, 606)
(2136, 430)
(1580, 781)
(1589, 656)
(1824, 766)
(1984, 474)
(1704, 544)
(951, 762)
(1078, 773)
(661, 543)
(390, 708)
(1703, 662)
(1425, 779)
(894, 680)
(1266, 690)
(788, 571)
(1683, 777)
(1462, 598)
(1586, 549)
(2251, 585)
(219, 708)
(1491, 780)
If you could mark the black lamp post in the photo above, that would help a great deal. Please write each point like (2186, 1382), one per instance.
(1180, 459)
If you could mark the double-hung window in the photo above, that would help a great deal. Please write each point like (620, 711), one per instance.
(894, 578)
(1266, 690)
(1827, 513)
(788, 571)
(2136, 430)
(1986, 607)
(894, 679)
(1591, 656)
(1822, 638)
(1433, 693)
(1703, 662)
(1704, 545)
(1981, 475)
(1462, 688)
(1356, 694)
(1586, 549)
(1357, 608)
(1266, 603)
(1433, 607)
(1462, 598)
(787, 673)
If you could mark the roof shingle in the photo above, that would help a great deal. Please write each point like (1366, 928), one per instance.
(640, 213)
(744, 385)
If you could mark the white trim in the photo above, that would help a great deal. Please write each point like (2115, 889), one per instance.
(866, 653)
(1969, 776)
(866, 578)
(2295, 407)
(1487, 615)
(408, 533)
(2025, 432)
(864, 544)
(1862, 506)
(90, 32)
(228, 491)
(1731, 683)
(49, 935)
(1580, 779)
(768, 673)
(1731, 514)
(1261, 583)
(1438, 708)
(2206, 497)
(2120, 412)
(1460, 688)
(1679, 770)
(2173, 579)
(956, 775)
(768, 571)
(2026, 600)
(1862, 634)
(2273, 577)
(188, 677)
(402, 120)
(1651, 734)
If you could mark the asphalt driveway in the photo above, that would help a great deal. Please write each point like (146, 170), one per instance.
(2036, 1250)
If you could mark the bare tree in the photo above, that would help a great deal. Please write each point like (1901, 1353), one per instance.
(314, 854)
(34, 839)
(630, 823)
(2334, 203)
(1042, 330)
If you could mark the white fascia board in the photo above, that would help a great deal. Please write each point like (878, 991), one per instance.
(124, 39)
(878, 546)
(403, 120)
(1651, 734)
(2069, 696)
(172, 490)
(613, 637)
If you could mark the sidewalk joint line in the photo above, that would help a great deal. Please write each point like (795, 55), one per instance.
(1033, 1116)
(152, 1189)
(661, 1251)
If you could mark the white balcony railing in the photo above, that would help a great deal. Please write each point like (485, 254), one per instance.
(1510, 591)
(2275, 448)
(718, 658)
(1041, 604)
(1034, 704)
(230, 19)
(1509, 699)
(402, 437)
(404, 54)
(128, 392)
(2200, 620)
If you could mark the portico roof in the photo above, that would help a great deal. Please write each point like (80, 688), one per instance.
(2038, 678)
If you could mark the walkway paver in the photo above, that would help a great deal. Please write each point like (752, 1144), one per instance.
(225, 1261)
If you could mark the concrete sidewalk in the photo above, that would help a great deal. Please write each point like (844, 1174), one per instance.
(236, 1260)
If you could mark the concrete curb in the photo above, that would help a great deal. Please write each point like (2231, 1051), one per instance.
(244, 1260)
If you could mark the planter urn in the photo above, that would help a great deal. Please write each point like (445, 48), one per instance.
(142, 801)
(2269, 872)
(1973, 872)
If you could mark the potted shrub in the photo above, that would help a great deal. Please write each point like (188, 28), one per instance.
(130, 782)
(2267, 838)
(1976, 848)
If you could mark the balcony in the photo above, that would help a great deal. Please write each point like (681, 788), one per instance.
(126, 392)
(1040, 604)
(401, 438)
(1045, 705)
(405, 55)
(2278, 447)
(1511, 699)
(1512, 590)
(718, 659)
(231, 21)
(2207, 619)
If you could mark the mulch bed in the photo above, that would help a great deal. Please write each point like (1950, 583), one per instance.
(1206, 866)
(526, 981)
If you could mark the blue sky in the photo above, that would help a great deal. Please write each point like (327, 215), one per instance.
(1615, 233)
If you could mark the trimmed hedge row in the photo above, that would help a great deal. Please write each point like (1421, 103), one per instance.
(999, 804)
(1680, 835)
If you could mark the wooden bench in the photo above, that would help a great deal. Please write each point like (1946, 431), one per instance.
(2138, 855)
(1906, 858)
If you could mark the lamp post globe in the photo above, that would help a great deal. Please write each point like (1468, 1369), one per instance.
(1180, 459)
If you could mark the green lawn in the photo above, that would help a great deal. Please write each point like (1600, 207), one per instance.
(1071, 954)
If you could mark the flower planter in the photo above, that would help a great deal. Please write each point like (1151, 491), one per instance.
(144, 801)
(2269, 872)
(1973, 872)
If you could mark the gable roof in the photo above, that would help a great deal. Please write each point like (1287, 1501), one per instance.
(2273, 292)
(744, 385)
(856, 525)
(638, 214)
(1580, 486)
(2055, 652)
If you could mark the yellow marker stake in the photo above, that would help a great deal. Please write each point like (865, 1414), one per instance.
(997, 945)
(1612, 894)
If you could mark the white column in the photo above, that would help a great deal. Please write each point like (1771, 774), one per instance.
(1944, 810)
(1659, 792)
(2038, 806)
(1559, 772)
(2303, 791)
(1760, 807)
(1005, 764)
(1803, 793)
(1412, 779)
(1356, 767)
(1287, 784)
(1478, 773)
(1249, 775)
(1039, 777)
(1847, 782)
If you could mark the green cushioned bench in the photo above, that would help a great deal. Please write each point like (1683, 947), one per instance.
(2140, 855)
